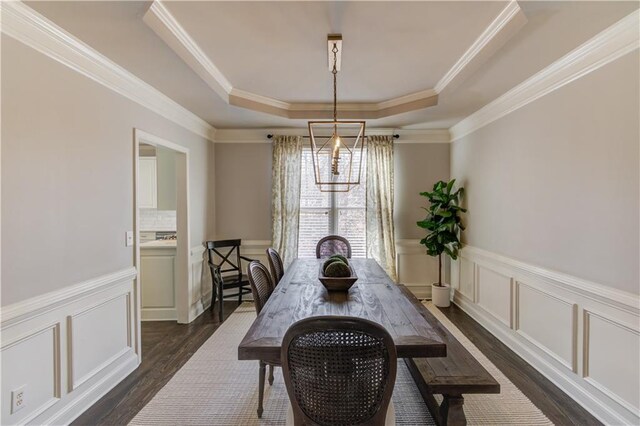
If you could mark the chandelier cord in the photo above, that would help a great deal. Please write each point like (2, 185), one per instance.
(334, 71)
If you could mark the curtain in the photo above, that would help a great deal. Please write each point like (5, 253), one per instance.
(285, 205)
(381, 244)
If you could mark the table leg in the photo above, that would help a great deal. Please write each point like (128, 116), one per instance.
(261, 387)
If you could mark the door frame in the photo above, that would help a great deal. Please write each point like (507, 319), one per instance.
(182, 265)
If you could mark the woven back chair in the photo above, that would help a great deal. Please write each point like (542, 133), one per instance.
(261, 284)
(338, 370)
(261, 288)
(275, 264)
(333, 244)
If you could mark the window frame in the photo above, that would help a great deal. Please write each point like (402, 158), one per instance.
(334, 209)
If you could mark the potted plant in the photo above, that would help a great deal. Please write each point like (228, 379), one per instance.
(444, 225)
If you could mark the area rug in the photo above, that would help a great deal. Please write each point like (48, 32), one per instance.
(214, 388)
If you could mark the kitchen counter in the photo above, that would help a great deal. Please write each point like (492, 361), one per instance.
(159, 244)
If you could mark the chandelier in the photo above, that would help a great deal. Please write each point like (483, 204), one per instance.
(337, 158)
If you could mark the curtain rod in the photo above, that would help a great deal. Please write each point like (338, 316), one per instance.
(395, 136)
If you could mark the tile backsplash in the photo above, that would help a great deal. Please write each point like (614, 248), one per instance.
(157, 220)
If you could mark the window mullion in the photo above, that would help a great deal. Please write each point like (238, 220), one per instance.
(333, 222)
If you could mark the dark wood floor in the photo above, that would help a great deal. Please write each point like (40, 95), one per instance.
(554, 403)
(166, 347)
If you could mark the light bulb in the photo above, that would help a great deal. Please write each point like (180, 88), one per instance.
(336, 155)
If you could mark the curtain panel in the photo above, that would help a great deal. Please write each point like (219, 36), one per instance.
(381, 244)
(285, 205)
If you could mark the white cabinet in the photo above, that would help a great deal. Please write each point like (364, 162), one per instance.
(148, 183)
(157, 281)
(166, 178)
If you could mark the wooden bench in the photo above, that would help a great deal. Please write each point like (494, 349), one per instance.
(452, 376)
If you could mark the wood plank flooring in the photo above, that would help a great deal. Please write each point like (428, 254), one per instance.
(549, 399)
(166, 347)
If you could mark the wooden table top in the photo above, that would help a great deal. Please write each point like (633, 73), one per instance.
(374, 296)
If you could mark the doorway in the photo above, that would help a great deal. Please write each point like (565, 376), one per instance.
(161, 255)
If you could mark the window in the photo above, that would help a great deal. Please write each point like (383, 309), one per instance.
(328, 213)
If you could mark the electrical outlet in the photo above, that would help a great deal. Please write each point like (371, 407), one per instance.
(18, 399)
(129, 238)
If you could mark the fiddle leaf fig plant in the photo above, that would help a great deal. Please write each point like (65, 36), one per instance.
(443, 222)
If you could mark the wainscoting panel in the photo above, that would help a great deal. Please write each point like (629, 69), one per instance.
(200, 282)
(555, 331)
(415, 269)
(493, 293)
(612, 357)
(67, 348)
(583, 336)
(32, 361)
(97, 336)
(256, 249)
(466, 285)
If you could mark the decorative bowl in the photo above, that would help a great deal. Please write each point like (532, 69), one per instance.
(337, 283)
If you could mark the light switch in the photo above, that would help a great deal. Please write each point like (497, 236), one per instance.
(129, 238)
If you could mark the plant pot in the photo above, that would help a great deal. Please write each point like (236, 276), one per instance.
(441, 295)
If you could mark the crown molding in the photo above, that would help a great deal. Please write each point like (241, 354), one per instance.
(171, 32)
(29, 27)
(165, 25)
(347, 110)
(510, 20)
(607, 46)
(259, 136)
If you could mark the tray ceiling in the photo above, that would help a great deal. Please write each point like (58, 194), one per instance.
(276, 68)
(267, 49)
(279, 49)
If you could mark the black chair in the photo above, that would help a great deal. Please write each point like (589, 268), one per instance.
(333, 244)
(261, 288)
(275, 264)
(339, 371)
(225, 263)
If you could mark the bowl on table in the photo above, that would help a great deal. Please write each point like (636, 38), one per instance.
(338, 283)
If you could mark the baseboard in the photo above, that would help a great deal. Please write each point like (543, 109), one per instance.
(570, 330)
(421, 291)
(79, 342)
(159, 314)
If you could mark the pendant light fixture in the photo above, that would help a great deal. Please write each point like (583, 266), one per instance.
(337, 155)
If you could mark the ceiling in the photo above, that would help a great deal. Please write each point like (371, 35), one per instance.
(278, 50)
(389, 49)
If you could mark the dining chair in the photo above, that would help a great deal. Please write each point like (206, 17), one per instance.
(225, 263)
(261, 288)
(339, 370)
(333, 244)
(275, 264)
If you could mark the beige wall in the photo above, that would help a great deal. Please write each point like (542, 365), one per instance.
(67, 174)
(243, 190)
(243, 187)
(417, 167)
(555, 183)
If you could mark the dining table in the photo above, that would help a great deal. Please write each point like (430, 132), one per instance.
(374, 296)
